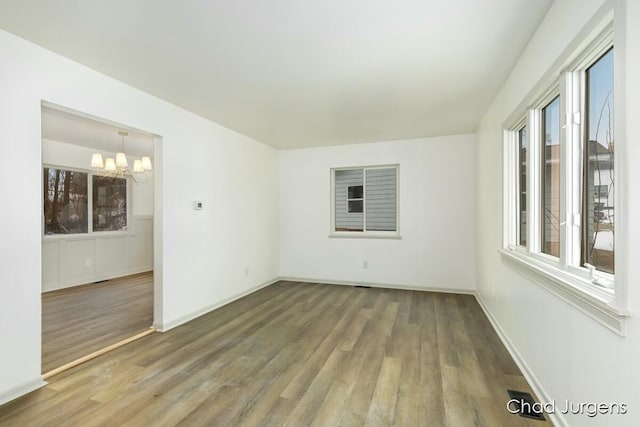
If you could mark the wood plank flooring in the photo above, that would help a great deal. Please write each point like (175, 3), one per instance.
(80, 320)
(296, 354)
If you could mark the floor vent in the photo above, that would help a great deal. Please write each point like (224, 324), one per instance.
(101, 281)
(525, 405)
(363, 286)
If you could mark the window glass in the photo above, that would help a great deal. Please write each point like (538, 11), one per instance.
(380, 199)
(65, 201)
(365, 199)
(354, 199)
(348, 217)
(599, 178)
(109, 203)
(551, 178)
(522, 186)
(355, 192)
(355, 206)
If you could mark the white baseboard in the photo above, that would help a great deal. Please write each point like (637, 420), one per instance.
(166, 326)
(531, 378)
(464, 291)
(94, 280)
(21, 389)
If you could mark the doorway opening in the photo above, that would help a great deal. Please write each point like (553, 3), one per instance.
(98, 227)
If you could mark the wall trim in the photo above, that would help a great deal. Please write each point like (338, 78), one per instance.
(56, 277)
(166, 326)
(529, 375)
(465, 291)
(15, 392)
(96, 279)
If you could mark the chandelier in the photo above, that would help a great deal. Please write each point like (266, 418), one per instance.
(119, 167)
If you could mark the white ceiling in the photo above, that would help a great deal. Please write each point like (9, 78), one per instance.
(71, 128)
(298, 73)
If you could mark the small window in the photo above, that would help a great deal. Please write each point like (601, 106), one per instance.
(354, 199)
(365, 200)
(109, 203)
(601, 191)
(65, 201)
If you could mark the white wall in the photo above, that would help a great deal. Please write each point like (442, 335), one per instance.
(436, 222)
(203, 254)
(87, 258)
(570, 355)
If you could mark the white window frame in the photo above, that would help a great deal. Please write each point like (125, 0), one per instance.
(365, 233)
(90, 232)
(595, 293)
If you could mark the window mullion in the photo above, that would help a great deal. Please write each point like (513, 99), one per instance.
(574, 93)
(129, 201)
(90, 202)
(510, 210)
(364, 200)
(516, 186)
(566, 170)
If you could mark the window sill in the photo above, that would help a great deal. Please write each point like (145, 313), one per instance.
(85, 236)
(364, 235)
(598, 303)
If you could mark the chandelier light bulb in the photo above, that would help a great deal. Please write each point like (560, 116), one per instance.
(96, 161)
(146, 163)
(110, 164)
(137, 166)
(121, 160)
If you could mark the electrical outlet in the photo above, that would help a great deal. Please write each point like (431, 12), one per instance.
(88, 262)
(246, 271)
(365, 264)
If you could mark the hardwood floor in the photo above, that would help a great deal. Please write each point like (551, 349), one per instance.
(80, 320)
(297, 354)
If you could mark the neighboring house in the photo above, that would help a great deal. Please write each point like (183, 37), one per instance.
(365, 192)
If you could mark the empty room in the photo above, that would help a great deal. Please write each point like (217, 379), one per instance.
(340, 213)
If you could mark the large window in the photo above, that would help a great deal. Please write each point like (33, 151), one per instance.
(599, 178)
(365, 200)
(522, 186)
(551, 178)
(109, 203)
(560, 180)
(65, 201)
(78, 202)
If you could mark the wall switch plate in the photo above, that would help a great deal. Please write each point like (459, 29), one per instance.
(198, 205)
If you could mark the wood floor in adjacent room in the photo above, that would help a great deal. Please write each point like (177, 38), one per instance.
(297, 354)
(81, 320)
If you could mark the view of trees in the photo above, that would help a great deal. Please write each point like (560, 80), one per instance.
(65, 201)
(109, 203)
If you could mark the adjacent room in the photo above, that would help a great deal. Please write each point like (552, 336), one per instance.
(97, 245)
(337, 213)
